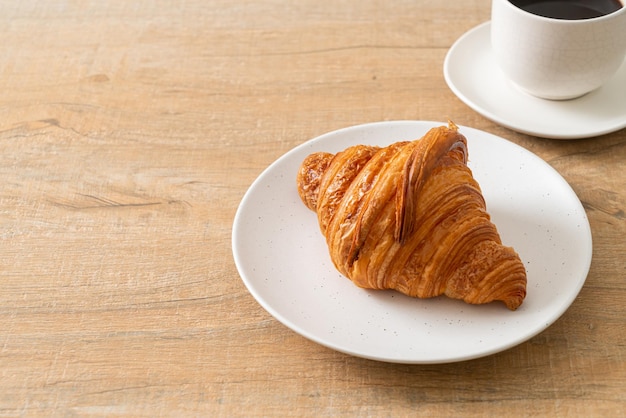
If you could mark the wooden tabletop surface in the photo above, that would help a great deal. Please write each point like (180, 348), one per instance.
(130, 131)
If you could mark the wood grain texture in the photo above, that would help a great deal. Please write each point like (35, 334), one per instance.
(129, 132)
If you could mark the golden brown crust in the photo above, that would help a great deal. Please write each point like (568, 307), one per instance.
(411, 217)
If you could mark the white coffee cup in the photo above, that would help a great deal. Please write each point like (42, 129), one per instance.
(554, 58)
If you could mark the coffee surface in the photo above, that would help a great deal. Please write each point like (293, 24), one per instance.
(569, 9)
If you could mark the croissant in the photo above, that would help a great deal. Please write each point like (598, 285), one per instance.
(411, 217)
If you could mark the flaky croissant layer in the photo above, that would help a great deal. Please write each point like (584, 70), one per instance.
(411, 217)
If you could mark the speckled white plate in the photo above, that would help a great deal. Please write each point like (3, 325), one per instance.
(471, 72)
(283, 260)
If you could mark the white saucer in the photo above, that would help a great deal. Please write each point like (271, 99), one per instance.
(472, 74)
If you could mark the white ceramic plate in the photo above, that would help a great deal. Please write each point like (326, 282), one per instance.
(283, 260)
(472, 74)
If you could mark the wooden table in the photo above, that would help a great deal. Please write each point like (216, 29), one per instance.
(129, 132)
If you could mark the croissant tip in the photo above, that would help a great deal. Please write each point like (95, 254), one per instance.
(452, 125)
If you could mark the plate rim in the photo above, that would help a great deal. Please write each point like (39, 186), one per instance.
(324, 342)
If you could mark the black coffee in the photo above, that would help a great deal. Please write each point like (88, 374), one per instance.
(569, 9)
